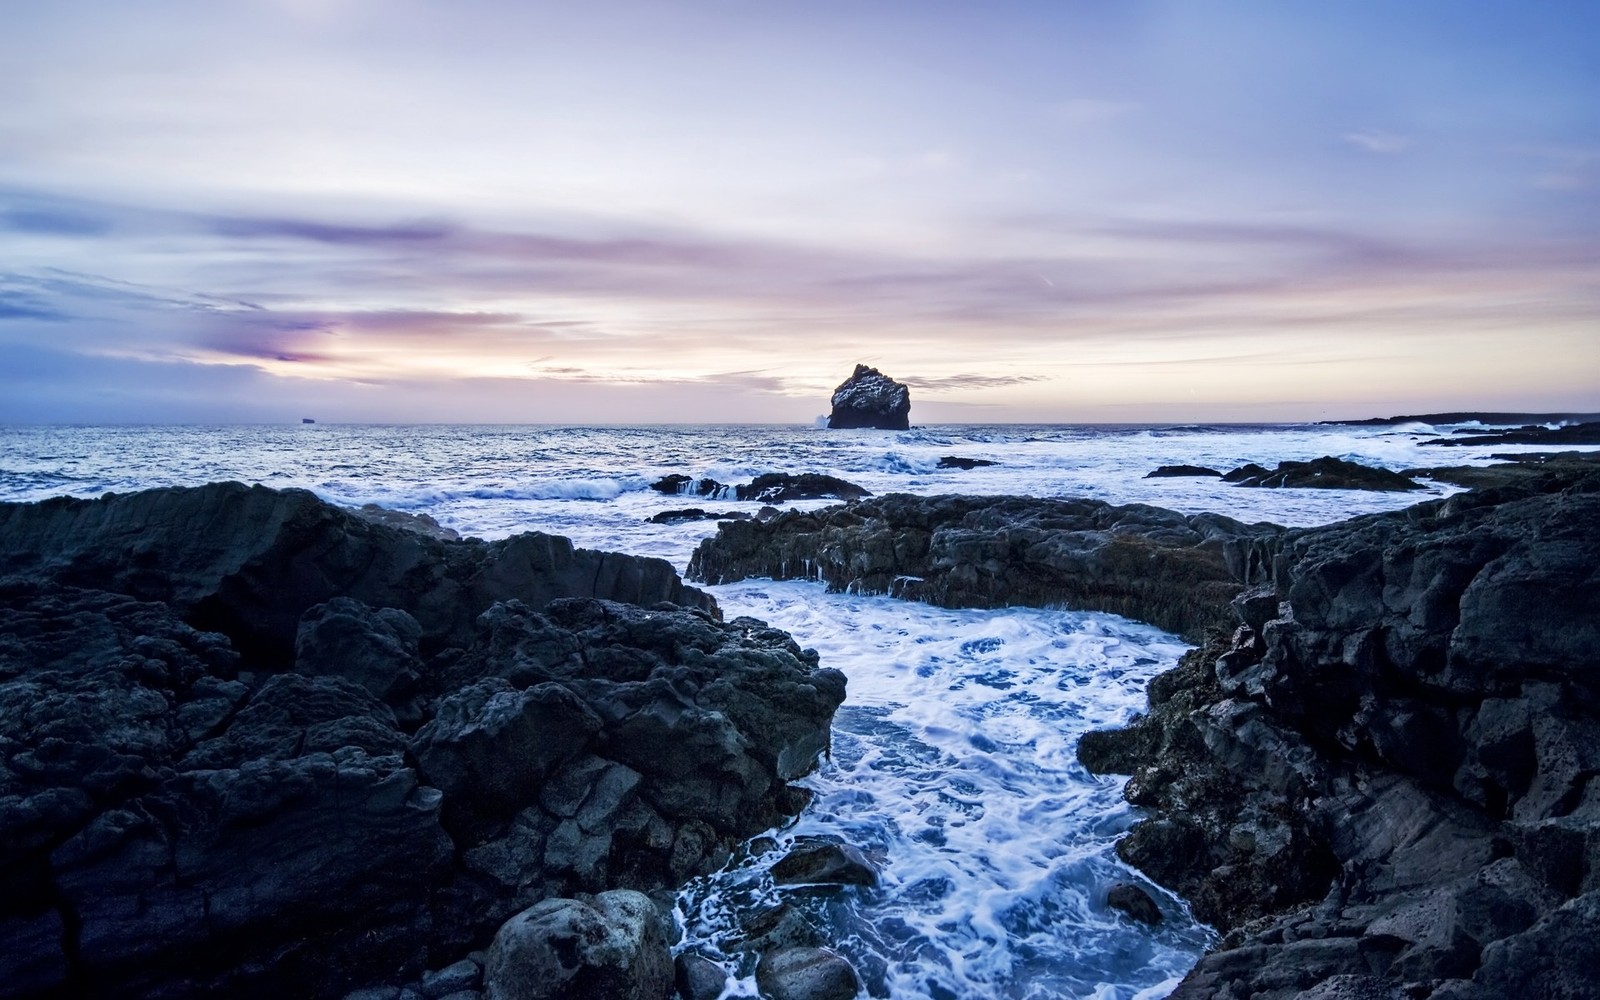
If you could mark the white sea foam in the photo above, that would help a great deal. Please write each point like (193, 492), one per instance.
(953, 761)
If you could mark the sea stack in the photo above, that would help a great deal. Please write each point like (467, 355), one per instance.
(869, 398)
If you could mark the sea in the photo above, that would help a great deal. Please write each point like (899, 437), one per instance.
(952, 762)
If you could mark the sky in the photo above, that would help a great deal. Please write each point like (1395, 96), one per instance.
(619, 212)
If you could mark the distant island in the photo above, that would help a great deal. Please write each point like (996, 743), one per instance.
(1469, 416)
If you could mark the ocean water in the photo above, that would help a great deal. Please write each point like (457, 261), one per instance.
(952, 761)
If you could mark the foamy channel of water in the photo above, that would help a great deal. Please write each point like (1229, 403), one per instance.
(953, 763)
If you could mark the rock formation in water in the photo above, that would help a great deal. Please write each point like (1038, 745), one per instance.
(1176, 471)
(1388, 779)
(778, 487)
(1326, 473)
(869, 398)
(253, 745)
(1173, 570)
(771, 487)
(1568, 434)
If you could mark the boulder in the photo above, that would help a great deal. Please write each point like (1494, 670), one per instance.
(823, 862)
(698, 977)
(871, 399)
(1128, 898)
(611, 947)
(806, 974)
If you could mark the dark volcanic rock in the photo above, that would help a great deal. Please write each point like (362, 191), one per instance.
(806, 974)
(1471, 416)
(611, 948)
(1176, 571)
(1324, 473)
(822, 862)
(779, 487)
(869, 398)
(1584, 433)
(1527, 469)
(679, 483)
(172, 825)
(248, 561)
(957, 462)
(1173, 471)
(1135, 902)
(1392, 780)
(698, 977)
(696, 514)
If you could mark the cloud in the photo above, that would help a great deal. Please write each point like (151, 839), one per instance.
(1373, 141)
(954, 383)
(51, 222)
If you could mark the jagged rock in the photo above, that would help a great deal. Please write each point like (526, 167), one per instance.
(194, 828)
(1174, 471)
(1514, 469)
(806, 974)
(611, 948)
(1176, 571)
(957, 462)
(1386, 776)
(249, 561)
(1135, 902)
(869, 398)
(422, 524)
(1579, 433)
(780, 487)
(377, 649)
(823, 862)
(1324, 473)
(679, 483)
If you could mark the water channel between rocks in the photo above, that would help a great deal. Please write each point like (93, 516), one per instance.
(953, 767)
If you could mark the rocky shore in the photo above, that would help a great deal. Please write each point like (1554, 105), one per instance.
(255, 745)
(1378, 774)
(1386, 783)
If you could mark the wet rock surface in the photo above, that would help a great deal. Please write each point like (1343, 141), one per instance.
(1173, 570)
(871, 399)
(361, 803)
(1326, 473)
(1177, 471)
(696, 514)
(1384, 781)
(958, 462)
(806, 974)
